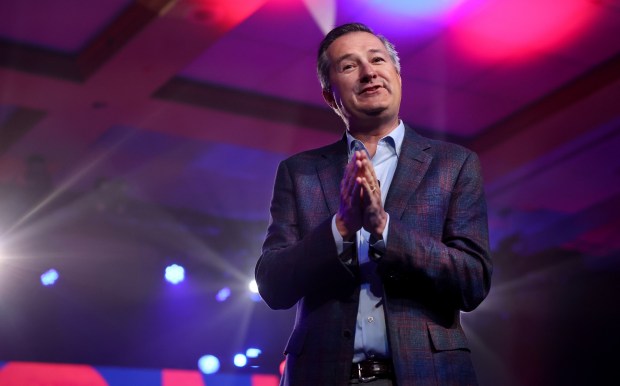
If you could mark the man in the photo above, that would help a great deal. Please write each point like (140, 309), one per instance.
(380, 238)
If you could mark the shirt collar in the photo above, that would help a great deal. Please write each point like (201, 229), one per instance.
(394, 139)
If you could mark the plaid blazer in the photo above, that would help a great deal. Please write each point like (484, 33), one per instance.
(437, 264)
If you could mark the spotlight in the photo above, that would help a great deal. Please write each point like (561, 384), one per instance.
(49, 277)
(240, 360)
(209, 364)
(253, 286)
(175, 273)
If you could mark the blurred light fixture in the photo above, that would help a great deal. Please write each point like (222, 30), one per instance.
(223, 294)
(49, 277)
(253, 287)
(175, 274)
(253, 352)
(240, 360)
(208, 364)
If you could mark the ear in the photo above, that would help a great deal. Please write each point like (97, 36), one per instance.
(328, 96)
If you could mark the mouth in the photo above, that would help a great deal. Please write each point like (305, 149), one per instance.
(370, 89)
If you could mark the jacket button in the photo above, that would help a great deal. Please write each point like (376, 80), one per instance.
(347, 334)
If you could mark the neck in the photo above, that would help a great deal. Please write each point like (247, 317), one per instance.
(370, 134)
(372, 131)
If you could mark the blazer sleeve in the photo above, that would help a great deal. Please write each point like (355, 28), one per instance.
(453, 262)
(299, 255)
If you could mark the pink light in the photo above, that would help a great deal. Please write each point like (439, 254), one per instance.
(174, 377)
(29, 373)
(265, 380)
(226, 13)
(517, 28)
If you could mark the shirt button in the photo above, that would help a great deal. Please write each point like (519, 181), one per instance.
(370, 319)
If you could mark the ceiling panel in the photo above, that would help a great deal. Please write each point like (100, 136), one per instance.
(287, 24)
(526, 81)
(440, 62)
(64, 25)
(240, 62)
(294, 83)
(453, 111)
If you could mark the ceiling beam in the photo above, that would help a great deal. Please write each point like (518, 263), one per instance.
(78, 67)
(557, 101)
(249, 104)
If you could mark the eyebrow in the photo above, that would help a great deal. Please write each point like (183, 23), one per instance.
(347, 56)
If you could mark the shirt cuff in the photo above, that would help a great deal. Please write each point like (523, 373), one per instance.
(377, 248)
(341, 245)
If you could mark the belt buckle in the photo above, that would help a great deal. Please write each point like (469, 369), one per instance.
(361, 378)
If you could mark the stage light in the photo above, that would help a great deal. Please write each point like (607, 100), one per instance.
(208, 364)
(496, 31)
(223, 294)
(240, 360)
(253, 287)
(175, 273)
(49, 277)
(253, 352)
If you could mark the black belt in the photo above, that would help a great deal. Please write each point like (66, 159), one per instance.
(371, 369)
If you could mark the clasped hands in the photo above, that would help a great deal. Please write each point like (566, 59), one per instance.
(360, 200)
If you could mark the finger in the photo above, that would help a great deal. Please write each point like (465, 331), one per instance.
(349, 177)
(356, 193)
(368, 190)
(361, 155)
(369, 174)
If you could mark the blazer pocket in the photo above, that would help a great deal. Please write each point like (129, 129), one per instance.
(295, 341)
(444, 339)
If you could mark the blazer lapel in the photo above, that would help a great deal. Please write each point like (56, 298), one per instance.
(330, 171)
(412, 165)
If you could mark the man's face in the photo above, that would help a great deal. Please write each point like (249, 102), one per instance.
(365, 83)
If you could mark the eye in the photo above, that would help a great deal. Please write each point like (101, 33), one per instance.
(347, 67)
(378, 59)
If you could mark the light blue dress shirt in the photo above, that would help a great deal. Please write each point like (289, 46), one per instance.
(370, 332)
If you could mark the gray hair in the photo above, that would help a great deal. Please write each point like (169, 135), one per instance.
(322, 64)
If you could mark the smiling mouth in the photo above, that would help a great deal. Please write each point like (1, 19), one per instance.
(370, 90)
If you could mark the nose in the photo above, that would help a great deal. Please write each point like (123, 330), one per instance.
(367, 72)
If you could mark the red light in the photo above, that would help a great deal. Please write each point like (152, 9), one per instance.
(282, 365)
(28, 373)
(517, 28)
(226, 13)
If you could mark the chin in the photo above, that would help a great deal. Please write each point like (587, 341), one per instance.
(375, 112)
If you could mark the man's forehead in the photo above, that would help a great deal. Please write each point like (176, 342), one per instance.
(356, 41)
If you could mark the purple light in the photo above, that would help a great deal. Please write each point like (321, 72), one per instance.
(418, 8)
(406, 23)
(223, 294)
(255, 297)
